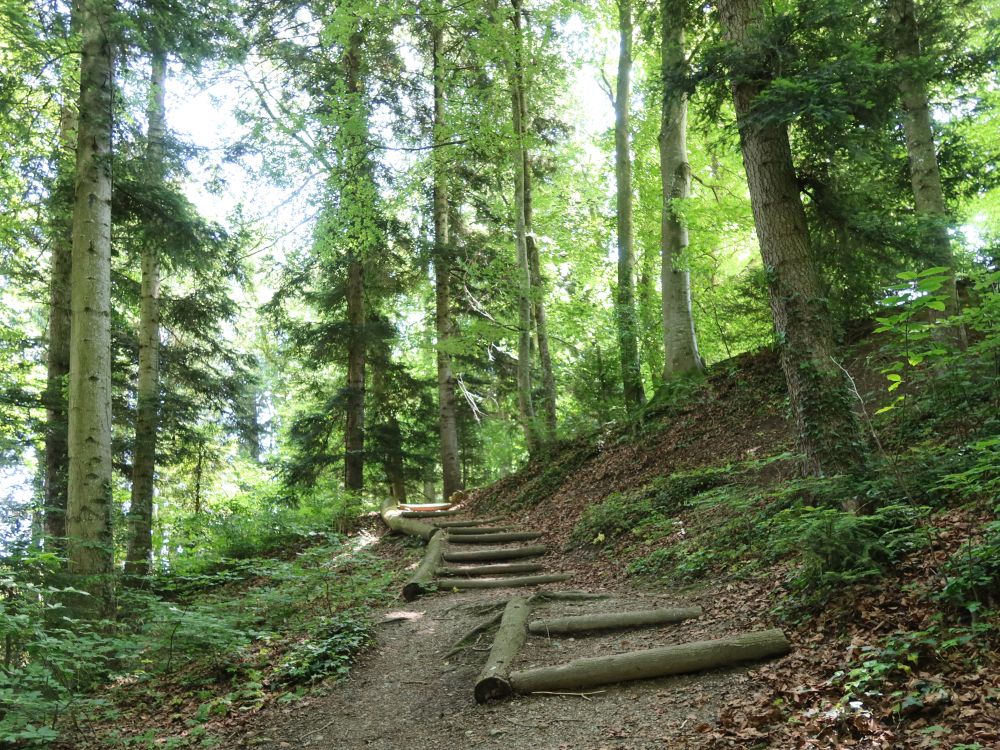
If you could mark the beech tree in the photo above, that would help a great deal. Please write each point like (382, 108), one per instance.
(679, 341)
(625, 312)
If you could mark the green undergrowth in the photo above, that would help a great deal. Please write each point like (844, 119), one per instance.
(224, 638)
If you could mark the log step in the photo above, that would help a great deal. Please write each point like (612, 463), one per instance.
(607, 620)
(504, 553)
(582, 674)
(421, 581)
(510, 536)
(500, 583)
(467, 522)
(488, 570)
(469, 530)
(429, 514)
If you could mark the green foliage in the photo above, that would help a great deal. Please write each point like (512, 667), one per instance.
(611, 518)
(972, 575)
(329, 649)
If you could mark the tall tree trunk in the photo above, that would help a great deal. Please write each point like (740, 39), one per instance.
(650, 315)
(524, 400)
(354, 194)
(625, 302)
(679, 341)
(925, 175)
(535, 265)
(826, 425)
(88, 517)
(451, 469)
(140, 517)
(60, 282)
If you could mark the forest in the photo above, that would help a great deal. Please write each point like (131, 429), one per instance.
(708, 293)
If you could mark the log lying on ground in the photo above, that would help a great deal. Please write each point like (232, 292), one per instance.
(500, 583)
(467, 530)
(509, 536)
(422, 579)
(398, 521)
(466, 522)
(506, 553)
(655, 662)
(487, 570)
(493, 680)
(429, 514)
(567, 596)
(608, 620)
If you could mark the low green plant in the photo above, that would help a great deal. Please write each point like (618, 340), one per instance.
(837, 548)
(611, 518)
(329, 648)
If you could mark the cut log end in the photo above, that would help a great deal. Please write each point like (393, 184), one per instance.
(493, 689)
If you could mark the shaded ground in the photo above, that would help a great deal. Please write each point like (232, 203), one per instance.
(404, 694)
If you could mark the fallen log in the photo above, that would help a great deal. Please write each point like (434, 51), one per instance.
(567, 596)
(493, 680)
(466, 522)
(485, 570)
(609, 620)
(470, 530)
(507, 553)
(509, 536)
(398, 521)
(422, 579)
(500, 583)
(655, 662)
(431, 513)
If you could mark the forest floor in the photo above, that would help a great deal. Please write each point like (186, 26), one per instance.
(406, 693)
(881, 661)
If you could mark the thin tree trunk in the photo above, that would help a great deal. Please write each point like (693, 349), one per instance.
(355, 148)
(199, 471)
(625, 303)
(57, 364)
(679, 342)
(826, 425)
(535, 264)
(650, 314)
(451, 469)
(140, 517)
(925, 174)
(524, 400)
(394, 466)
(88, 526)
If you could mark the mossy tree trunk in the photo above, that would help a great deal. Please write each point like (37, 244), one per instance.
(825, 422)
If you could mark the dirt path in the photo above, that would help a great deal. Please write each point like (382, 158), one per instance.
(404, 695)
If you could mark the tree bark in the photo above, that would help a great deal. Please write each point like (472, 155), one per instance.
(510, 553)
(140, 518)
(625, 311)
(581, 674)
(395, 519)
(355, 151)
(510, 638)
(611, 620)
(925, 174)
(524, 303)
(463, 524)
(88, 528)
(58, 354)
(507, 536)
(501, 583)
(534, 261)
(825, 423)
(680, 344)
(422, 578)
(491, 570)
(394, 466)
(451, 469)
